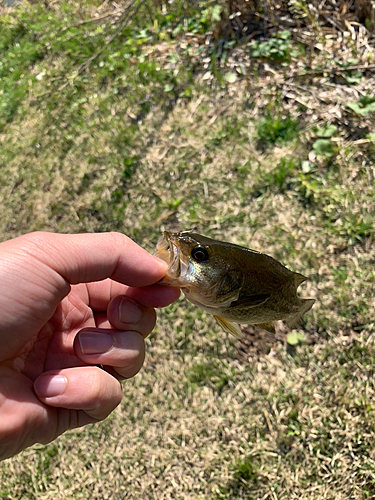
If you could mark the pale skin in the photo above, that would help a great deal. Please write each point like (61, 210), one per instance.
(68, 304)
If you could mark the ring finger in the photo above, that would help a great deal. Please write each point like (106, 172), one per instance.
(124, 351)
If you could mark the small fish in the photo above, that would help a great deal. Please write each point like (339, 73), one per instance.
(233, 283)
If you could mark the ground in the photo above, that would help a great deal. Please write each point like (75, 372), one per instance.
(174, 117)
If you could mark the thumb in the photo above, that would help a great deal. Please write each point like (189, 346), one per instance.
(38, 269)
(82, 258)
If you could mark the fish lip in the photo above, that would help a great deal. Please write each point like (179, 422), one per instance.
(174, 262)
(163, 247)
(171, 248)
(168, 244)
(168, 249)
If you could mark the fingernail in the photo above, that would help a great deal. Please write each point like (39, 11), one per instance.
(129, 313)
(49, 386)
(95, 342)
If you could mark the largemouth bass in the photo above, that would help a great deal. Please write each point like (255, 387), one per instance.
(233, 283)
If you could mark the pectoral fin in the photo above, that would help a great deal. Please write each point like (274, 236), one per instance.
(229, 326)
(270, 327)
(229, 287)
(250, 301)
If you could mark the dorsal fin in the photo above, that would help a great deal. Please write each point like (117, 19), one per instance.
(299, 279)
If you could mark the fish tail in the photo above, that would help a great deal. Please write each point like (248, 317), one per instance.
(306, 305)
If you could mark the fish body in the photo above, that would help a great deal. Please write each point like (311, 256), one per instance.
(235, 284)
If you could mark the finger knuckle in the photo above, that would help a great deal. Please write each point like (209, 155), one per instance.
(119, 239)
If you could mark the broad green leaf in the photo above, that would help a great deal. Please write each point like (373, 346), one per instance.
(168, 87)
(365, 105)
(293, 338)
(365, 100)
(284, 35)
(327, 131)
(307, 166)
(230, 77)
(353, 76)
(323, 147)
(348, 62)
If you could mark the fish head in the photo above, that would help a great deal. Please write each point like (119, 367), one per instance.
(198, 266)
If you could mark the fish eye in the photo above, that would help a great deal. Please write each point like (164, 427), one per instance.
(199, 254)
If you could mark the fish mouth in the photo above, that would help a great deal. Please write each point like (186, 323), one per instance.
(169, 250)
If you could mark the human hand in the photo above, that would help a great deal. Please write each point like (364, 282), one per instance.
(68, 303)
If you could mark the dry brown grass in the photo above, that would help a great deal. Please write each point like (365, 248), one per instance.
(246, 17)
(280, 429)
(196, 424)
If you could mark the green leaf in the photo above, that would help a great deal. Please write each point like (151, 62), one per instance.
(215, 13)
(230, 77)
(357, 108)
(327, 131)
(353, 76)
(284, 35)
(371, 137)
(307, 166)
(323, 147)
(168, 87)
(365, 100)
(365, 105)
(348, 62)
(293, 338)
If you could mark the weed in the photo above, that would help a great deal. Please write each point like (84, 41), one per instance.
(326, 131)
(183, 18)
(20, 51)
(324, 148)
(352, 75)
(281, 176)
(278, 48)
(210, 373)
(277, 129)
(364, 107)
(246, 470)
(294, 338)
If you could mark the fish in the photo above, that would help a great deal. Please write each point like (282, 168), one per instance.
(235, 284)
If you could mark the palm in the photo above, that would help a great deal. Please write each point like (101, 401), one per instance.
(53, 347)
(49, 349)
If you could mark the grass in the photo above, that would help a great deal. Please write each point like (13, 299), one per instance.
(153, 136)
